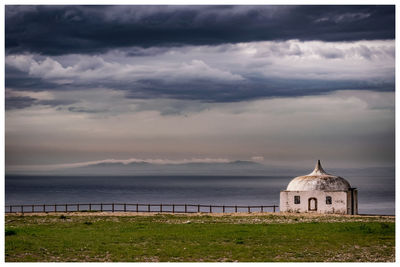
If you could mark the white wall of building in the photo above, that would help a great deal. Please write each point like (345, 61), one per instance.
(340, 201)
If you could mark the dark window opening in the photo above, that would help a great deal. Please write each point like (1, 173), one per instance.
(296, 199)
(328, 200)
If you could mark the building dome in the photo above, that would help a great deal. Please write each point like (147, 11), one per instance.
(318, 180)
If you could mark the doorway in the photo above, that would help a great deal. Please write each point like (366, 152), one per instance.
(312, 204)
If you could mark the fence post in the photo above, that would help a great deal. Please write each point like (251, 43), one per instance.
(10, 208)
(112, 207)
(173, 208)
(223, 209)
(66, 207)
(90, 207)
(248, 209)
(148, 208)
(235, 208)
(33, 209)
(55, 207)
(210, 209)
(137, 207)
(198, 208)
(262, 208)
(44, 207)
(161, 208)
(274, 208)
(77, 207)
(185, 208)
(101, 207)
(22, 209)
(124, 207)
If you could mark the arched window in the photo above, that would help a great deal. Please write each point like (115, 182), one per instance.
(296, 199)
(328, 200)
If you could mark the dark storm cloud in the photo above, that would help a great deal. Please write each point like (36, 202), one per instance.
(19, 102)
(205, 91)
(56, 102)
(56, 30)
(22, 81)
(200, 89)
(84, 110)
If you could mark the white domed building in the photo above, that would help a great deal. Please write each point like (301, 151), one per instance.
(319, 192)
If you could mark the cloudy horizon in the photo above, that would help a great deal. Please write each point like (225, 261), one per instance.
(279, 85)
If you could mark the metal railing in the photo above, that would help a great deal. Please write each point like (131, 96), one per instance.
(137, 207)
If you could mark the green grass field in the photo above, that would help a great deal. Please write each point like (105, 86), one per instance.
(264, 238)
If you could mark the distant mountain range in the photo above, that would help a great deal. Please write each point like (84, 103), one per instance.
(146, 168)
(239, 168)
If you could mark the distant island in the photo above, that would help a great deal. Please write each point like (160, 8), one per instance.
(112, 167)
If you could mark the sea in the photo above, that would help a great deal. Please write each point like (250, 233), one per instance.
(376, 195)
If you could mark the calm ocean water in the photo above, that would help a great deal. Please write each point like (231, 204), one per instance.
(376, 196)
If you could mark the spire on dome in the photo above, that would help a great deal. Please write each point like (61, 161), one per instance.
(318, 169)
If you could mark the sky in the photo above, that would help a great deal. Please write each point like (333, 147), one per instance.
(278, 85)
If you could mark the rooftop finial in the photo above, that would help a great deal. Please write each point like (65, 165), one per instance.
(318, 169)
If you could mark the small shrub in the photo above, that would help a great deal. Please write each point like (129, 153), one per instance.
(10, 232)
(384, 226)
(63, 217)
(365, 228)
(299, 255)
(88, 223)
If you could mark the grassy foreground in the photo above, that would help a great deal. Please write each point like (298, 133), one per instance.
(266, 238)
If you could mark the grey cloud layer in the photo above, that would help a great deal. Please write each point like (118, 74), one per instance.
(56, 30)
(201, 53)
(224, 73)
